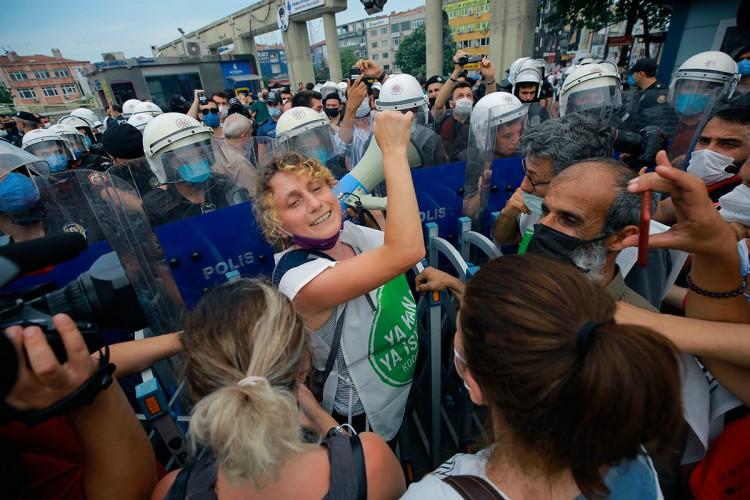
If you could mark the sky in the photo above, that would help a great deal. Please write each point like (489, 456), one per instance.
(84, 29)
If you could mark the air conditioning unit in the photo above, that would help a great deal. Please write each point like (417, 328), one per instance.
(193, 49)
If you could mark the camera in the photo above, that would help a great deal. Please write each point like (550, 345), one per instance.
(354, 73)
(464, 60)
(641, 146)
(101, 297)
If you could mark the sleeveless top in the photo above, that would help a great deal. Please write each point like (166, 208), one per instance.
(198, 481)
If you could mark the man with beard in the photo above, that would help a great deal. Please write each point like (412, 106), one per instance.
(586, 214)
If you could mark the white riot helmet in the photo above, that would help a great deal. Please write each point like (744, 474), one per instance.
(179, 148)
(328, 88)
(50, 147)
(592, 89)
(75, 140)
(128, 108)
(83, 126)
(303, 130)
(146, 107)
(403, 92)
(525, 71)
(140, 120)
(494, 111)
(87, 115)
(704, 76)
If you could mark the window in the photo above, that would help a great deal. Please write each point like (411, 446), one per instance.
(18, 76)
(375, 57)
(395, 42)
(27, 93)
(385, 55)
(49, 91)
(373, 32)
(41, 75)
(405, 26)
(62, 73)
(417, 23)
(69, 89)
(374, 45)
(383, 31)
(386, 67)
(394, 28)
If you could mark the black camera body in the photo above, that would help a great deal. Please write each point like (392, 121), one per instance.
(464, 60)
(641, 146)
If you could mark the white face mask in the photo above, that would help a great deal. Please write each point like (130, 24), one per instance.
(363, 109)
(735, 205)
(462, 107)
(709, 166)
(533, 203)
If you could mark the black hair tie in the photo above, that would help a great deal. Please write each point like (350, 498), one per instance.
(582, 338)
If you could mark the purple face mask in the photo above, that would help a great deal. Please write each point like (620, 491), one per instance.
(317, 243)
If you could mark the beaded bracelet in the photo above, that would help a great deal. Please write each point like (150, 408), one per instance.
(715, 295)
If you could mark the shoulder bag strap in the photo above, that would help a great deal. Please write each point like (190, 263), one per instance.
(335, 343)
(358, 461)
(178, 491)
(473, 487)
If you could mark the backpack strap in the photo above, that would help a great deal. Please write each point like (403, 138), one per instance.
(295, 258)
(178, 491)
(335, 343)
(473, 487)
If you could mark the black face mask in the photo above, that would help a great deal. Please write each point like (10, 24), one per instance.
(332, 112)
(553, 244)
(431, 100)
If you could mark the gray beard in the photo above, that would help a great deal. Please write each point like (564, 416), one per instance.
(591, 258)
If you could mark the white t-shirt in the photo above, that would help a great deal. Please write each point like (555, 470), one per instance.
(630, 480)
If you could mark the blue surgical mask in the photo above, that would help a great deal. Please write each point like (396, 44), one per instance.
(17, 193)
(274, 112)
(631, 80)
(78, 153)
(196, 172)
(57, 162)
(691, 103)
(320, 154)
(743, 67)
(533, 203)
(87, 140)
(211, 120)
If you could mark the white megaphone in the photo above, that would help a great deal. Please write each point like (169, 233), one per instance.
(356, 185)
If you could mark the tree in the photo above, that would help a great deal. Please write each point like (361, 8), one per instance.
(5, 96)
(597, 14)
(411, 55)
(348, 59)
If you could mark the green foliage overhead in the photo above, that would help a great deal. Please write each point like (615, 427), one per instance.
(597, 14)
(411, 55)
(348, 58)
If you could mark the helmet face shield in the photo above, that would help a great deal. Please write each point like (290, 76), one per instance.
(77, 144)
(191, 163)
(597, 102)
(693, 97)
(316, 143)
(55, 152)
(504, 129)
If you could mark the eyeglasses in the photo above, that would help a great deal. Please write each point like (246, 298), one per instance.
(531, 181)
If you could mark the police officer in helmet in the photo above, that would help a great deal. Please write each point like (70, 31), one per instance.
(185, 160)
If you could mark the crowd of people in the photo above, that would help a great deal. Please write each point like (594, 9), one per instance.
(599, 377)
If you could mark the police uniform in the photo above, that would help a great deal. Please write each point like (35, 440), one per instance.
(168, 205)
(267, 129)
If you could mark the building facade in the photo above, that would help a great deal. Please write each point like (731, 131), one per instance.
(402, 24)
(379, 47)
(43, 83)
(470, 23)
(353, 35)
